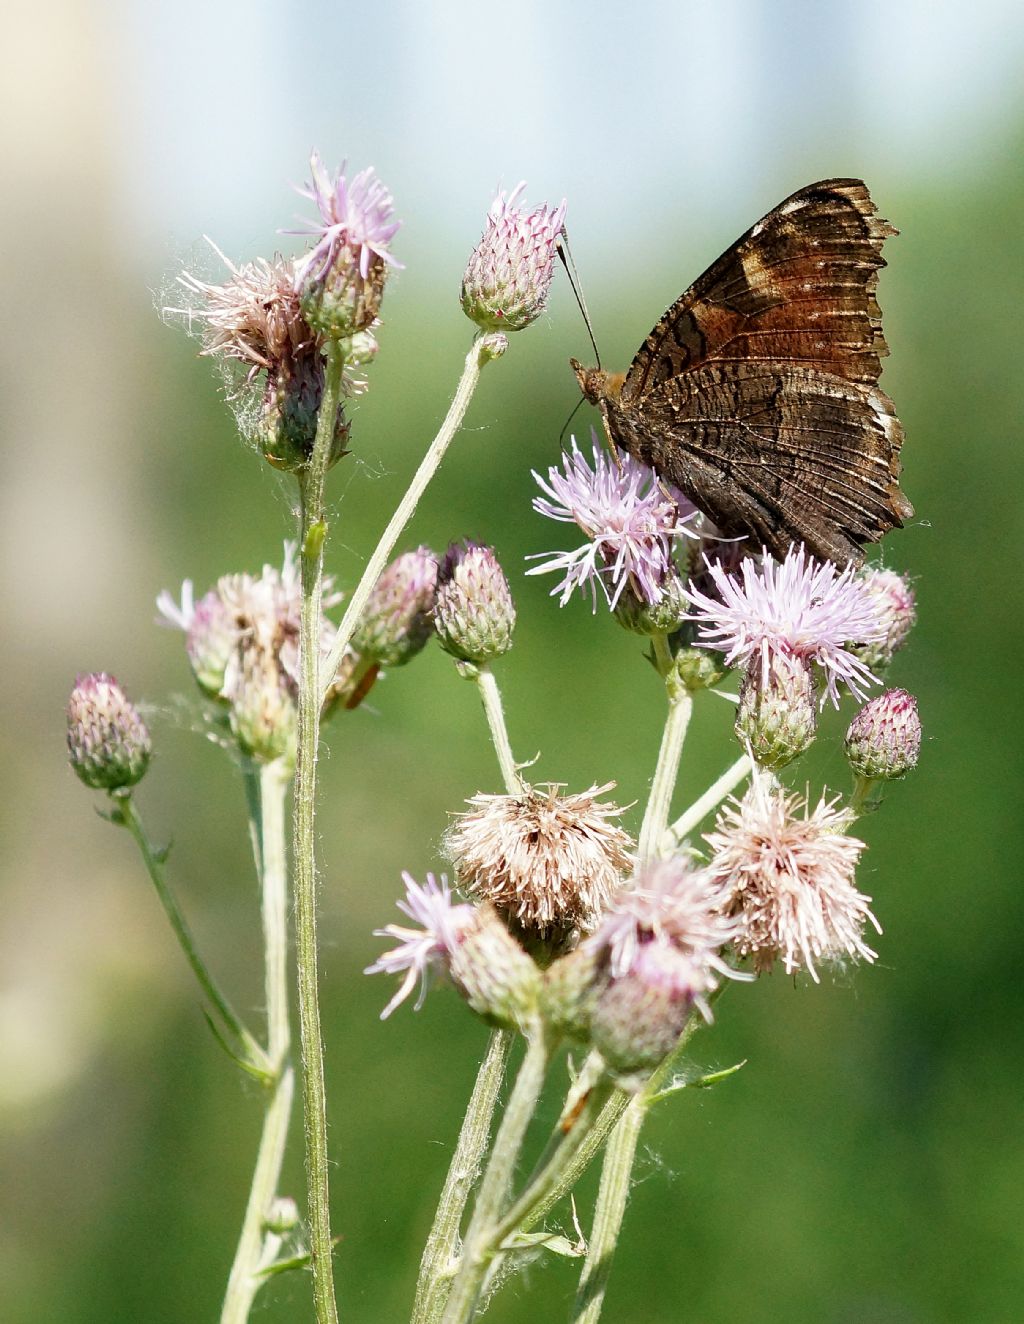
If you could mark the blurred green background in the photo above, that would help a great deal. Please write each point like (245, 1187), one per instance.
(868, 1162)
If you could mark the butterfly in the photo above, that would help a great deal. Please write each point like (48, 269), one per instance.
(757, 393)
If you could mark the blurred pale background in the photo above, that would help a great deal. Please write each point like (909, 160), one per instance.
(868, 1163)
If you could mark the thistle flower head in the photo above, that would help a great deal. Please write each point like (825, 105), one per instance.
(631, 526)
(493, 972)
(786, 876)
(799, 606)
(894, 600)
(549, 862)
(242, 640)
(474, 614)
(507, 279)
(341, 279)
(397, 620)
(884, 739)
(777, 717)
(108, 743)
(424, 949)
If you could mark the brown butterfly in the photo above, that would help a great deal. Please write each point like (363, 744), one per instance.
(757, 393)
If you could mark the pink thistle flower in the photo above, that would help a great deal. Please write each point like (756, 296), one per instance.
(629, 520)
(354, 215)
(786, 875)
(508, 277)
(799, 606)
(673, 904)
(422, 949)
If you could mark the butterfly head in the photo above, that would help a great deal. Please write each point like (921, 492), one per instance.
(596, 384)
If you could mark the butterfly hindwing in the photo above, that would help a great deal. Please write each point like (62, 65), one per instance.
(782, 454)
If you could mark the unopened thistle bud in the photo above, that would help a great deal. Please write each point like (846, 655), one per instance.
(282, 1216)
(341, 280)
(397, 620)
(884, 739)
(474, 614)
(286, 428)
(506, 282)
(108, 743)
(778, 710)
(571, 986)
(664, 616)
(548, 862)
(894, 599)
(493, 972)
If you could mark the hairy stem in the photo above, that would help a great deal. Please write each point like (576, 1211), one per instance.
(127, 815)
(680, 706)
(312, 531)
(270, 850)
(442, 1244)
(480, 1246)
(490, 696)
(712, 797)
(475, 360)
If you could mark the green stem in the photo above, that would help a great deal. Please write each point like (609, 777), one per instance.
(127, 815)
(860, 800)
(271, 861)
(312, 531)
(712, 797)
(442, 1244)
(490, 696)
(613, 1192)
(475, 360)
(480, 1247)
(680, 706)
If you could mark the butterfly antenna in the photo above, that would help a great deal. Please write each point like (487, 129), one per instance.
(565, 254)
(565, 429)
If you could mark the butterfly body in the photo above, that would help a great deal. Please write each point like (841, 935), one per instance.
(756, 394)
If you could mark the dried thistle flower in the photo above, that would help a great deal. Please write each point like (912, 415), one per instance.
(884, 739)
(474, 614)
(786, 874)
(507, 279)
(548, 862)
(108, 744)
(255, 320)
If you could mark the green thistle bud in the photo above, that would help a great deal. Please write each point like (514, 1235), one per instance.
(570, 991)
(662, 617)
(263, 715)
(778, 711)
(884, 739)
(398, 618)
(474, 614)
(108, 743)
(508, 276)
(282, 1216)
(493, 973)
(286, 429)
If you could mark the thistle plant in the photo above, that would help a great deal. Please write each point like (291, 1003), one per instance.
(567, 920)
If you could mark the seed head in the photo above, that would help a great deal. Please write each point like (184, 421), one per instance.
(777, 717)
(548, 862)
(884, 739)
(786, 875)
(108, 744)
(474, 614)
(397, 620)
(508, 276)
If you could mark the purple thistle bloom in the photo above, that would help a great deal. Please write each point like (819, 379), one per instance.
(355, 214)
(799, 606)
(508, 277)
(420, 950)
(630, 521)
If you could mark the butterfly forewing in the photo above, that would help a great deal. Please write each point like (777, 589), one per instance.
(756, 393)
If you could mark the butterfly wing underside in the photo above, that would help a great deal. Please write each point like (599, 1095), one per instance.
(757, 392)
